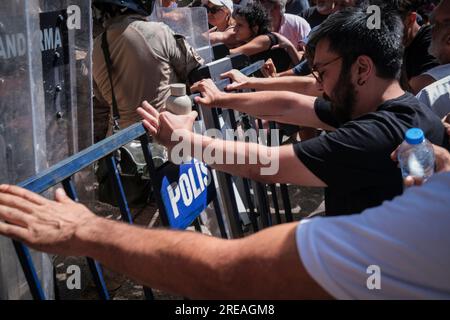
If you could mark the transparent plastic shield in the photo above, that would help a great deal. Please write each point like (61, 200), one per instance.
(22, 134)
(45, 89)
(189, 22)
(66, 45)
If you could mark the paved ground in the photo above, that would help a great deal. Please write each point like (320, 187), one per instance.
(304, 201)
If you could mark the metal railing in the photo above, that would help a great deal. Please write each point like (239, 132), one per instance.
(66, 169)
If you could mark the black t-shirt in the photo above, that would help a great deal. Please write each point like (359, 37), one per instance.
(280, 57)
(417, 60)
(354, 161)
(313, 17)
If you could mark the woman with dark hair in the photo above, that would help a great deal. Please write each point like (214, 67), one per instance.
(252, 30)
(250, 22)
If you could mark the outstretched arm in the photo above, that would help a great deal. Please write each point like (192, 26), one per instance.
(227, 37)
(183, 263)
(249, 160)
(259, 44)
(280, 106)
(297, 84)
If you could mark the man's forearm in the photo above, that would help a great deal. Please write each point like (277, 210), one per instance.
(183, 263)
(248, 160)
(302, 85)
(202, 267)
(279, 106)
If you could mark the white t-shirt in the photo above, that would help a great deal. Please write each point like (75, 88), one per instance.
(439, 72)
(437, 96)
(295, 28)
(407, 238)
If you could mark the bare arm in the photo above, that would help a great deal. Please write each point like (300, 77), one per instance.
(287, 73)
(226, 37)
(304, 85)
(251, 160)
(183, 263)
(279, 106)
(256, 45)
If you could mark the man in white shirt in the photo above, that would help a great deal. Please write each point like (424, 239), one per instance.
(293, 27)
(396, 251)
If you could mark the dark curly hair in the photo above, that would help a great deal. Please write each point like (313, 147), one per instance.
(255, 15)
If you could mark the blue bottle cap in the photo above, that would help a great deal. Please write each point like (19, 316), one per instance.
(415, 136)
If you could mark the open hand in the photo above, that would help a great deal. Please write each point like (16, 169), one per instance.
(166, 127)
(238, 80)
(42, 224)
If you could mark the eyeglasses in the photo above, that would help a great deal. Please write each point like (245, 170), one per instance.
(212, 10)
(319, 75)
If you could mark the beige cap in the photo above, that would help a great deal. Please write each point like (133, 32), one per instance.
(178, 89)
(221, 3)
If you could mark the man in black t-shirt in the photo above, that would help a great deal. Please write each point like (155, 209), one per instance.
(354, 160)
(365, 110)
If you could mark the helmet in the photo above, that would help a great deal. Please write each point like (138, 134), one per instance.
(144, 7)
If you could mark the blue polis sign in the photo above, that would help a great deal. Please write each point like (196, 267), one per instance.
(186, 191)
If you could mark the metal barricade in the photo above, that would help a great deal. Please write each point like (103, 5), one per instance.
(257, 206)
(164, 183)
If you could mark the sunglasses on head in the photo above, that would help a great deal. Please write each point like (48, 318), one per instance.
(212, 10)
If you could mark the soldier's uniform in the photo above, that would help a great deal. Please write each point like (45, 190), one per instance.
(146, 58)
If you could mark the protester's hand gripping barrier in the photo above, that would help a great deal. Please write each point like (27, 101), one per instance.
(184, 175)
(170, 182)
(259, 207)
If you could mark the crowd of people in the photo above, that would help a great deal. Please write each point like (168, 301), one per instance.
(362, 88)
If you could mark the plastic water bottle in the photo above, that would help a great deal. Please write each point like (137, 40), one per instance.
(178, 102)
(416, 155)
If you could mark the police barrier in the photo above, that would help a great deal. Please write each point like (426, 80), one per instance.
(183, 193)
(229, 199)
(221, 119)
(62, 173)
(186, 191)
(45, 49)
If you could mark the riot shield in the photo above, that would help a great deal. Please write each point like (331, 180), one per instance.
(66, 29)
(189, 22)
(66, 46)
(45, 98)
